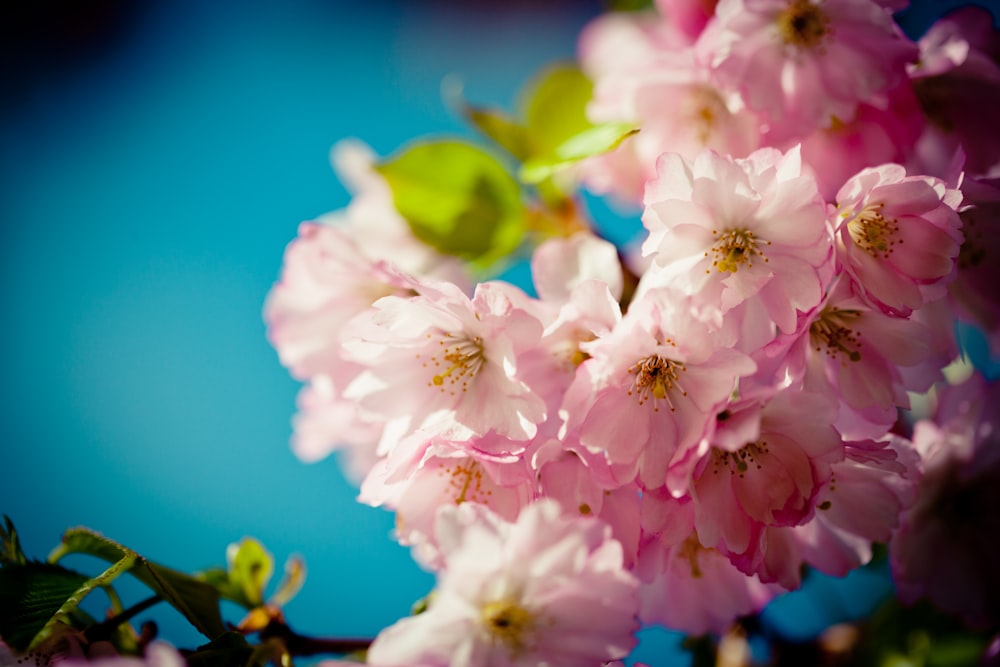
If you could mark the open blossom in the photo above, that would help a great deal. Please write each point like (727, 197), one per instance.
(729, 231)
(544, 590)
(651, 387)
(804, 63)
(898, 236)
(863, 359)
(766, 463)
(440, 356)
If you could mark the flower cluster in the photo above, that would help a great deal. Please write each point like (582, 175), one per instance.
(669, 435)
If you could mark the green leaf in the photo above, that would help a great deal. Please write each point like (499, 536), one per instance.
(229, 649)
(250, 568)
(31, 595)
(196, 600)
(457, 199)
(554, 108)
(591, 141)
(503, 129)
(10, 545)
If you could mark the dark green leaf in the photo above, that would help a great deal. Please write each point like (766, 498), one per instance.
(501, 128)
(30, 596)
(458, 199)
(230, 649)
(196, 600)
(10, 545)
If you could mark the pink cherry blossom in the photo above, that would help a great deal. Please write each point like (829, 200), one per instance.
(522, 593)
(559, 265)
(326, 423)
(425, 471)
(863, 359)
(441, 356)
(874, 136)
(679, 110)
(690, 16)
(651, 387)
(766, 472)
(731, 230)
(687, 586)
(898, 236)
(804, 63)
(567, 476)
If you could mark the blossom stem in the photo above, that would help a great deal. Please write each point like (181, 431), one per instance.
(297, 644)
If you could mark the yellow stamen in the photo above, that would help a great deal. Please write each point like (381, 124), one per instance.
(734, 248)
(657, 376)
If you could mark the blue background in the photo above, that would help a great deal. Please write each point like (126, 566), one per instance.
(156, 160)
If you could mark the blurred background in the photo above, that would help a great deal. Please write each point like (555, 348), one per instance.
(157, 158)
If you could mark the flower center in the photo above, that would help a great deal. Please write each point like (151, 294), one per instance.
(740, 461)
(803, 24)
(733, 249)
(656, 376)
(707, 110)
(689, 550)
(460, 357)
(832, 330)
(467, 482)
(509, 623)
(873, 232)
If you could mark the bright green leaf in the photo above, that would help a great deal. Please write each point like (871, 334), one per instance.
(250, 568)
(31, 594)
(591, 141)
(457, 199)
(197, 600)
(554, 108)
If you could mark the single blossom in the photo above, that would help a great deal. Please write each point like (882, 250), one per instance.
(806, 64)
(440, 356)
(766, 462)
(544, 590)
(898, 236)
(650, 388)
(734, 232)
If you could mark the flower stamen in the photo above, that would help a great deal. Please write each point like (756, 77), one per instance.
(461, 358)
(657, 376)
(734, 248)
(832, 330)
(873, 232)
